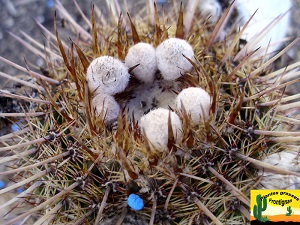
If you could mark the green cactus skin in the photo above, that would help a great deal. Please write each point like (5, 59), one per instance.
(259, 208)
(289, 209)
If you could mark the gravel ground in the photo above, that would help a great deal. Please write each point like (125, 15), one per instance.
(20, 15)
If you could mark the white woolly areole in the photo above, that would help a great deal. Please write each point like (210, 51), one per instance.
(107, 75)
(196, 102)
(170, 59)
(143, 54)
(149, 96)
(155, 126)
(107, 105)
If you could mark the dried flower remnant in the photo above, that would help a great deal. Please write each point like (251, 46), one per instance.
(210, 9)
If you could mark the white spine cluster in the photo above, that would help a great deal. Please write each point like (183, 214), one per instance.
(145, 55)
(170, 60)
(107, 75)
(195, 101)
(155, 127)
(106, 106)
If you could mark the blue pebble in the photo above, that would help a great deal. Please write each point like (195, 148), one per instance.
(50, 3)
(135, 202)
(20, 190)
(14, 127)
(2, 184)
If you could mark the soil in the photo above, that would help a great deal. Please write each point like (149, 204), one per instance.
(19, 16)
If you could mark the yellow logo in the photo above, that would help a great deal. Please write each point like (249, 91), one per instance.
(275, 206)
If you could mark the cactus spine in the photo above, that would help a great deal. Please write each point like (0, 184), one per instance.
(260, 207)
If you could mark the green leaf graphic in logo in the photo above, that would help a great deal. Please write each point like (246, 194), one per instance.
(259, 208)
(289, 211)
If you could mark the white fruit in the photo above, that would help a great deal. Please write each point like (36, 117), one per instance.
(155, 126)
(170, 60)
(106, 106)
(144, 55)
(107, 75)
(195, 101)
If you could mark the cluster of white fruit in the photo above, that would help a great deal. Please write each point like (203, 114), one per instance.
(107, 76)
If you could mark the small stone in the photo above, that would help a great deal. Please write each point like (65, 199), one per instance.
(2, 184)
(135, 202)
(288, 160)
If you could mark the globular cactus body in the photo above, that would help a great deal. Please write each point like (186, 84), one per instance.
(82, 148)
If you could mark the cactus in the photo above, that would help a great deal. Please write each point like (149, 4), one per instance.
(289, 211)
(75, 168)
(260, 207)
